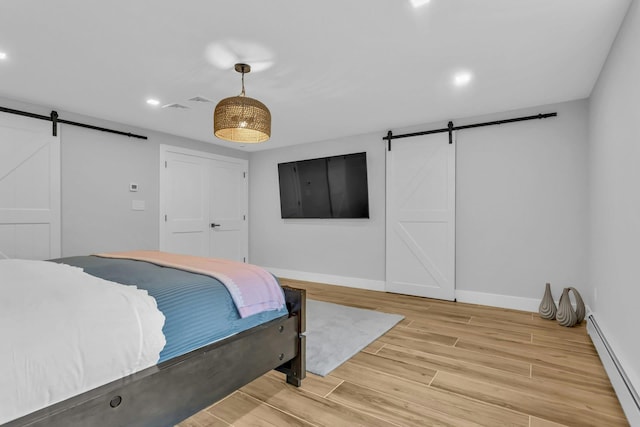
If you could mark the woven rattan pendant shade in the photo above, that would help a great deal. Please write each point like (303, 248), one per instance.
(240, 118)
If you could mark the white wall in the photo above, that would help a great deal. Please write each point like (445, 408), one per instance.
(614, 161)
(522, 204)
(348, 248)
(96, 203)
(97, 168)
(521, 209)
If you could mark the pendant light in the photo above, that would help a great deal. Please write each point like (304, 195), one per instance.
(240, 118)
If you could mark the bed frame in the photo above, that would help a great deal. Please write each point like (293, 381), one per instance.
(166, 394)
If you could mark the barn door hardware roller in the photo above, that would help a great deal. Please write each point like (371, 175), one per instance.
(450, 127)
(54, 119)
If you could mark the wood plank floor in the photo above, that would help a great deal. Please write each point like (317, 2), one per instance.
(449, 364)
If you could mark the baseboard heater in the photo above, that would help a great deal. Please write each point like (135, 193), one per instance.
(625, 391)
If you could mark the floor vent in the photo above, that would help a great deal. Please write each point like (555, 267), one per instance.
(625, 391)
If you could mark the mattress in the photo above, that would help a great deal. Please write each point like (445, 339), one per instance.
(198, 309)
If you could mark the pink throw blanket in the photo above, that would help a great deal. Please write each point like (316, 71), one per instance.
(252, 288)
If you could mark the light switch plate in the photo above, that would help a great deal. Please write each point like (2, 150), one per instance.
(138, 205)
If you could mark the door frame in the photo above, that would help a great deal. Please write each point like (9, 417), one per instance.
(164, 150)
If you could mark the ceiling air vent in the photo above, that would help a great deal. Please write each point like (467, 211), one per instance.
(199, 99)
(176, 106)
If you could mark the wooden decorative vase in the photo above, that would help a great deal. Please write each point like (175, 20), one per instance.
(547, 307)
(580, 308)
(565, 315)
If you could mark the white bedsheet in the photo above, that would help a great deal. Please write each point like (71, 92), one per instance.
(63, 332)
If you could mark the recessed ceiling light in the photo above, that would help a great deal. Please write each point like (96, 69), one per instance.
(419, 3)
(462, 78)
(3, 55)
(153, 102)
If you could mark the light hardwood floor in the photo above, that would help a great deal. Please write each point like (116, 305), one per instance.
(444, 364)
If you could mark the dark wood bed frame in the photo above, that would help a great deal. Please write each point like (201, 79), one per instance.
(166, 394)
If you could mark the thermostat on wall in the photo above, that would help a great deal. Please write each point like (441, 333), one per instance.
(133, 187)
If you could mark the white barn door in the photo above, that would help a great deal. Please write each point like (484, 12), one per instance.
(421, 217)
(203, 204)
(29, 188)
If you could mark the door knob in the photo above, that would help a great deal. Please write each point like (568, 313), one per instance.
(215, 225)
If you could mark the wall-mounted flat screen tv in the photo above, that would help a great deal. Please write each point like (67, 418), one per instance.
(327, 187)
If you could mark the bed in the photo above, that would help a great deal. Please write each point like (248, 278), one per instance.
(199, 363)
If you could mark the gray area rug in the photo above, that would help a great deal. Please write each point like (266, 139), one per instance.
(336, 332)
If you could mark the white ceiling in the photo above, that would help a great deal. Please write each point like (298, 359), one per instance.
(337, 67)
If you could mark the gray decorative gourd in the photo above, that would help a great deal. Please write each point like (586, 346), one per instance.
(547, 307)
(565, 315)
(580, 308)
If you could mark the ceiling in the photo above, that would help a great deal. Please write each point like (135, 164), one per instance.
(330, 68)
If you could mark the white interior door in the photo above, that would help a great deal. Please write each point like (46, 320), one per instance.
(421, 217)
(228, 210)
(184, 189)
(29, 188)
(203, 203)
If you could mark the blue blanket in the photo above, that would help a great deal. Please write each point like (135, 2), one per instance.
(198, 309)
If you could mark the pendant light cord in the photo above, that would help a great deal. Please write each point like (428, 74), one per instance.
(242, 94)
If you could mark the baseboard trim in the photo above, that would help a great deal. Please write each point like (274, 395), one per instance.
(470, 297)
(351, 282)
(497, 300)
(622, 384)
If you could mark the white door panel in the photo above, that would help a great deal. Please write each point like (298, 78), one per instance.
(228, 209)
(29, 188)
(186, 188)
(205, 200)
(421, 217)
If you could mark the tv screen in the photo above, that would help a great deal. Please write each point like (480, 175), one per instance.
(328, 187)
